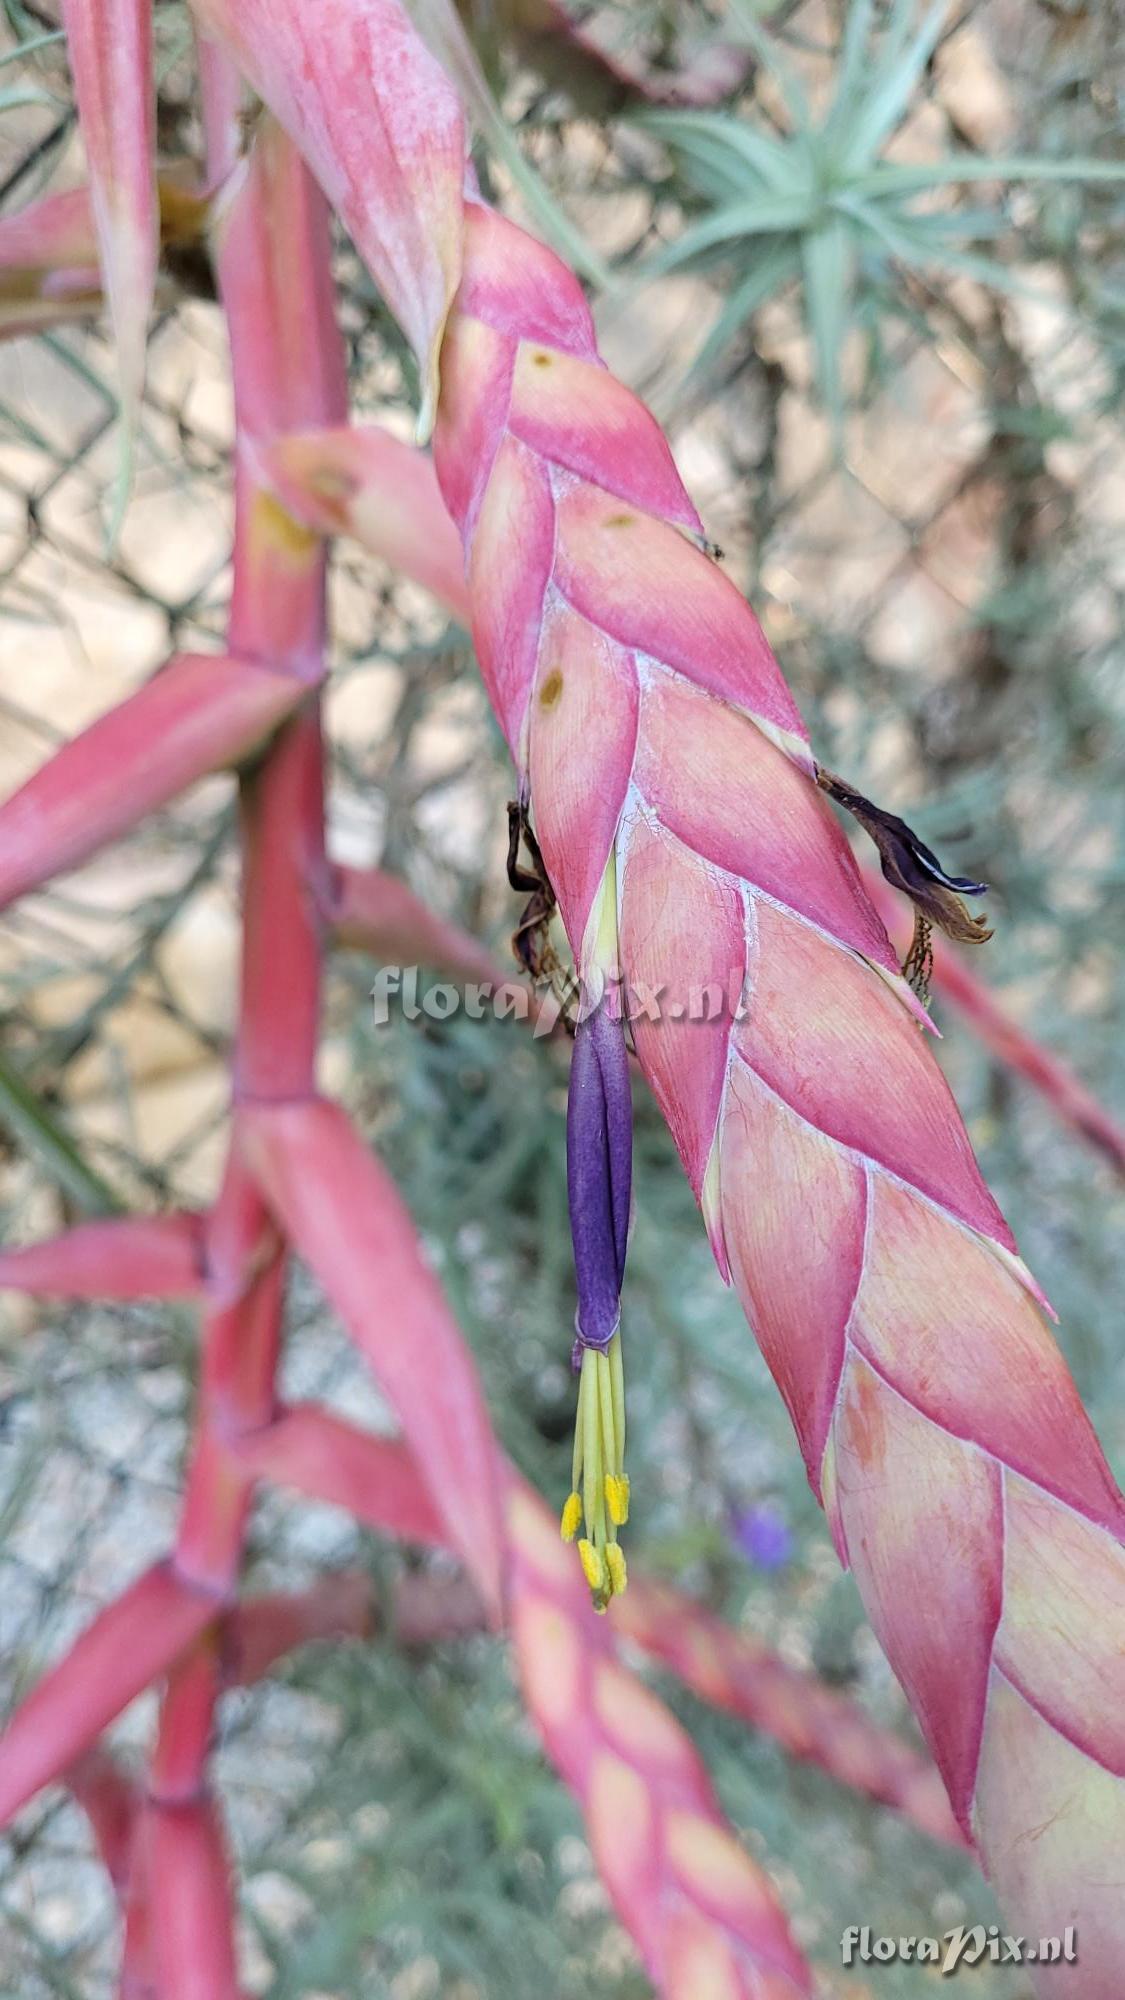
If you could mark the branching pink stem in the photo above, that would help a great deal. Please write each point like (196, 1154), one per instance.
(288, 369)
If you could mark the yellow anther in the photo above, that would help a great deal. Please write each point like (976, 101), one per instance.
(593, 1567)
(615, 1565)
(599, 1498)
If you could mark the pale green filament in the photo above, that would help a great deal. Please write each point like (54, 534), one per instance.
(599, 1497)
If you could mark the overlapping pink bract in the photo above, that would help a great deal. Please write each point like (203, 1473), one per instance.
(109, 43)
(962, 1480)
(961, 1477)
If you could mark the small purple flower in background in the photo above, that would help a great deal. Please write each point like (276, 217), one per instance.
(762, 1534)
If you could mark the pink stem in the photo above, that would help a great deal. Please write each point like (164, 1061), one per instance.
(190, 1914)
(283, 844)
(110, 1802)
(128, 1257)
(424, 1610)
(288, 369)
(131, 1643)
(329, 1459)
(240, 1341)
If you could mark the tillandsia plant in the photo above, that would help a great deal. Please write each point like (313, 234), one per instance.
(684, 830)
(817, 204)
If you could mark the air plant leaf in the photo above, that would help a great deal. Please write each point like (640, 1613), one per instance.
(109, 43)
(322, 1455)
(363, 482)
(128, 1645)
(127, 1257)
(883, 104)
(732, 147)
(49, 256)
(444, 33)
(852, 67)
(748, 27)
(763, 215)
(344, 1216)
(198, 714)
(766, 276)
(380, 124)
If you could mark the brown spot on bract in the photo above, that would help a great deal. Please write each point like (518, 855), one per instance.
(863, 1416)
(332, 482)
(620, 520)
(333, 488)
(551, 689)
(542, 360)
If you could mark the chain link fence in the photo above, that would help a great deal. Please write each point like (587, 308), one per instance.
(947, 602)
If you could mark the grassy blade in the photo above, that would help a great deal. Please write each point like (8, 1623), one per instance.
(772, 269)
(28, 48)
(897, 76)
(852, 60)
(728, 144)
(922, 255)
(963, 167)
(828, 256)
(770, 215)
(46, 1140)
(744, 21)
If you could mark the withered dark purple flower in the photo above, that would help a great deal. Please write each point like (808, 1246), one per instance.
(911, 866)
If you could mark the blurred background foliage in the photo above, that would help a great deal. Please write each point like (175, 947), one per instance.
(891, 367)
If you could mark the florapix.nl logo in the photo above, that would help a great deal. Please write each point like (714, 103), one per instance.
(407, 991)
(964, 1945)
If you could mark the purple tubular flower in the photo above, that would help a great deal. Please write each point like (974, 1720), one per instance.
(599, 1166)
